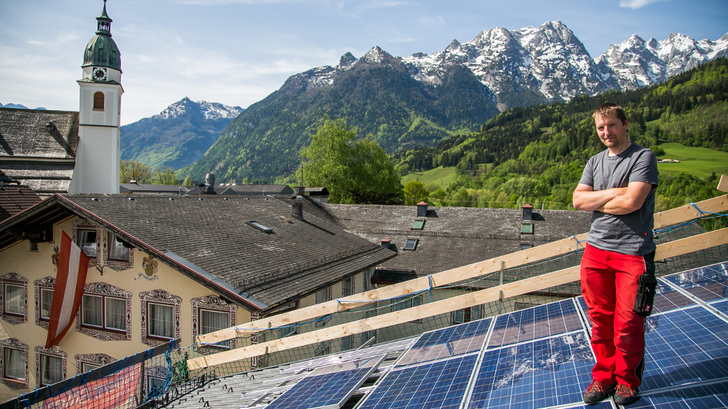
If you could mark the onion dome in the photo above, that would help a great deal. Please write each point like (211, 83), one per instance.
(101, 51)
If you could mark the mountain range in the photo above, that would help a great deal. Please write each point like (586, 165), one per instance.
(421, 99)
(178, 136)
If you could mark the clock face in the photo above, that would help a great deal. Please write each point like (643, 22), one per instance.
(99, 74)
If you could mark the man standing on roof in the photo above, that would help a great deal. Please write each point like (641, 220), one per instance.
(618, 187)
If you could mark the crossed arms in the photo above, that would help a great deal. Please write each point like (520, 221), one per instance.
(617, 201)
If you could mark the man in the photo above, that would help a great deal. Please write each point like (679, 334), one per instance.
(618, 187)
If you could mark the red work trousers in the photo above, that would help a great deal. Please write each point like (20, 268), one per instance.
(609, 282)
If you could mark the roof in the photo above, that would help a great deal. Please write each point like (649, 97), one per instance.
(210, 238)
(538, 357)
(38, 147)
(147, 188)
(233, 189)
(16, 198)
(454, 236)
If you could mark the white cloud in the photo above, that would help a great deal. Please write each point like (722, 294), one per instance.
(636, 4)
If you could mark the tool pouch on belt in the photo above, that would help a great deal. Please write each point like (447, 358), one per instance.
(646, 290)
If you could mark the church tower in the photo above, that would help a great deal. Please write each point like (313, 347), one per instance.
(98, 154)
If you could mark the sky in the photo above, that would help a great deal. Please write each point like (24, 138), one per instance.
(237, 52)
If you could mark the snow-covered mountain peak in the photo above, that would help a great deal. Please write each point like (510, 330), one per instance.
(208, 110)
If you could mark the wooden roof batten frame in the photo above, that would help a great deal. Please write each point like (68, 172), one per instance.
(560, 247)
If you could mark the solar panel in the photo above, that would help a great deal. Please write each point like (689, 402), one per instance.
(439, 384)
(447, 342)
(536, 322)
(694, 396)
(684, 346)
(538, 374)
(722, 307)
(707, 283)
(328, 387)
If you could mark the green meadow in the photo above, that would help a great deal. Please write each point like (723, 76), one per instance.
(700, 162)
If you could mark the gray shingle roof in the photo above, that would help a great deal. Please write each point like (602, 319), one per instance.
(212, 234)
(454, 236)
(38, 147)
(16, 198)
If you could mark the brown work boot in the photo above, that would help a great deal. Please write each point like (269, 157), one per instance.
(597, 392)
(624, 395)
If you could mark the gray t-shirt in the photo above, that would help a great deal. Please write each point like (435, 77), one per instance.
(630, 233)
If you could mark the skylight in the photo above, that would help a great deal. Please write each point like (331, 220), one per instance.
(411, 244)
(418, 224)
(260, 226)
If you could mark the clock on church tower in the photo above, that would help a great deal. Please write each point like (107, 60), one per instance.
(98, 156)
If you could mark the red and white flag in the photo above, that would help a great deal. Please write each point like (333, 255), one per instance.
(68, 290)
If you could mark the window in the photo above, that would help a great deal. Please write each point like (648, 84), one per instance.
(14, 293)
(527, 227)
(367, 279)
(160, 316)
(405, 303)
(323, 295)
(117, 250)
(14, 363)
(51, 369)
(418, 225)
(323, 348)
(46, 301)
(411, 244)
(467, 314)
(86, 240)
(99, 101)
(347, 286)
(89, 362)
(347, 343)
(105, 312)
(211, 313)
(260, 226)
(14, 299)
(43, 300)
(525, 246)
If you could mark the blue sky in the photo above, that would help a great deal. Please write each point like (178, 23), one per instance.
(239, 51)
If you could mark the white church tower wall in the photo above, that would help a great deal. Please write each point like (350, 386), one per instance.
(98, 154)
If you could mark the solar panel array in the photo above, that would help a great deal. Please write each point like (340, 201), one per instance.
(541, 357)
(327, 387)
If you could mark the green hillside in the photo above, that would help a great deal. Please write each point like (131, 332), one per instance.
(536, 154)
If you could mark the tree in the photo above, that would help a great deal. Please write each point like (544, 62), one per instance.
(164, 175)
(133, 170)
(415, 192)
(354, 171)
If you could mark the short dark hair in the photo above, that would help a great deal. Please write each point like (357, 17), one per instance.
(608, 109)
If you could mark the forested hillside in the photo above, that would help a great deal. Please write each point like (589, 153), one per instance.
(535, 155)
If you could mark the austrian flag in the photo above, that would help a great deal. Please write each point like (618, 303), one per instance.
(68, 290)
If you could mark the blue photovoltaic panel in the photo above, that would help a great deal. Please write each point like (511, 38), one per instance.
(534, 323)
(722, 306)
(451, 341)
(439, 384)
(707, 283)
(537, 374)
(328, 387)
(692, 397)
(683, 346)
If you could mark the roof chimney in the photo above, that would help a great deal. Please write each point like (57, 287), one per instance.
(297, 208)
(209, 183)
(422, 209)
(385, 243)
(527, 212)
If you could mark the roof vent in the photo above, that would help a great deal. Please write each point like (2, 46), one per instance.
(422, 209)
(209, 184)
(297, 208)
